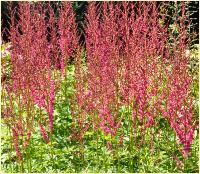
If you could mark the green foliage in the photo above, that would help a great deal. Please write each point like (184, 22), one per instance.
(63, 154)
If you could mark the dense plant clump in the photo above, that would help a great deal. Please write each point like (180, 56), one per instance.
(128, 89)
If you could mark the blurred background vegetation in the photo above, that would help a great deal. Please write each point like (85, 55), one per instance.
(80, 7)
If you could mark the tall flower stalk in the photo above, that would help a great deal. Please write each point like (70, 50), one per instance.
(31, 80)
(133, 59)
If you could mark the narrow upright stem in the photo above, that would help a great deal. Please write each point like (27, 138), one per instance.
(82, 151)
(131, 139)
(118, 161)
(10, 151)
(104, 156)
(97, 141)
(51, 151)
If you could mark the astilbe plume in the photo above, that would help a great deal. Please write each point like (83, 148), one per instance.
(43, 132)
(43, 87)
(178, 109)
(103, 65)
(70, 49)
(53, 37)
(130, 62)
(92, 34)
(18, 87)
(31, 72)
(155, 54)
(122, 60)
(16, 143)
(80, 101)
(68, 33)
(143, 42)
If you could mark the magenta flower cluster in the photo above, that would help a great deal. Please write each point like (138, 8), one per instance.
(129, 63)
